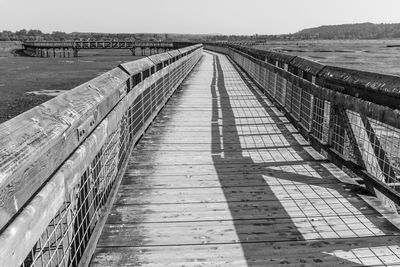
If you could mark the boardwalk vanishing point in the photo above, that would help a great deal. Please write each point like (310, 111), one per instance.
(227, 156)
(222, 178)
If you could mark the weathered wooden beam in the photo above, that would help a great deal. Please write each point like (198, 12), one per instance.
(33, 219)
(35, 143)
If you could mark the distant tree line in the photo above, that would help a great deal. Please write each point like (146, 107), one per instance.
(352, 31)
(38, 35)
(329, 32)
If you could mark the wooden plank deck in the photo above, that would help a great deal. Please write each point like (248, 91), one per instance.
(223, 179)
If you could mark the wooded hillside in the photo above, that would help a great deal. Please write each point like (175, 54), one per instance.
(352, 31)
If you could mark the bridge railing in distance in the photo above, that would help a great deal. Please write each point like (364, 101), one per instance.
(352, 117)
(62, 161)
(103, 44)
(47, 44)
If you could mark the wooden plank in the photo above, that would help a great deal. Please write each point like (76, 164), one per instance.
(242, 231)
(148, 146)
(271, 155)
(294, 253)
(245, 142)
(211, 211)
(188, 121)
(35, 143)
(129, 195)
(211, 169)
(184, 202)
(274, 176)
(29, 225)
(272, 128)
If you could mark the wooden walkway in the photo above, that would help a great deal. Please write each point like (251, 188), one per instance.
(223, 179)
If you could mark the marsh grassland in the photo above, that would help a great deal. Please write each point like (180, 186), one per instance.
(27, 81)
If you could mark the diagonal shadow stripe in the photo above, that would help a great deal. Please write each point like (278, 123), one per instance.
(221, 98)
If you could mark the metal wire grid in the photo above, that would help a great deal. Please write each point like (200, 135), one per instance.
(271, 83)
(146, 104)
(338, 132)
(379, 146)
(135, 117)
(326, 122)
(288, 96)
(318, 119)
(279, 89)
(296, 101)
(266, 77)
(252, 69)
(159, 92)
(249, 67)
(342, 137)
(306, 109)
(124, 137)
(256, 69)
(65, 239)
(260, 74)
(365, 141)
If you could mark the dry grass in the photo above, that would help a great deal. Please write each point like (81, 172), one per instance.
(20, 75)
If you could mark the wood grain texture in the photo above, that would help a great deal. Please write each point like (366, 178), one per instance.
(28, 226)
(34, 144)
(222, 179)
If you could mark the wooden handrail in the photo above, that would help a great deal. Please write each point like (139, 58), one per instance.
(44, 151)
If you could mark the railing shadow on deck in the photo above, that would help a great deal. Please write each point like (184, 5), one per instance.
(260, 242)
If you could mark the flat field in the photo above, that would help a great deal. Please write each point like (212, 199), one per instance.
(21, 75)
(368, 55)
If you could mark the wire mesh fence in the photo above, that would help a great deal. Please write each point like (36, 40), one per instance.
(352, 132)
(66, 237)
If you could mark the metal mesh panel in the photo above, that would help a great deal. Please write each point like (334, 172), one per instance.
(159, 96)
(288, 97)
(343, 139)
(379, 146)
(265, 80)
(305, 110)
(326, 122)
(318, 118)
(279, 89)
(124, 139)
(296, 97)
(337, 131)
(387, 147)
(366, 141)
(136, 117)
(260, 74)
(146, 104)
(271, 83)
(65, 239)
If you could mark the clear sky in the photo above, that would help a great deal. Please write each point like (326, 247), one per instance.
(190, 16)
